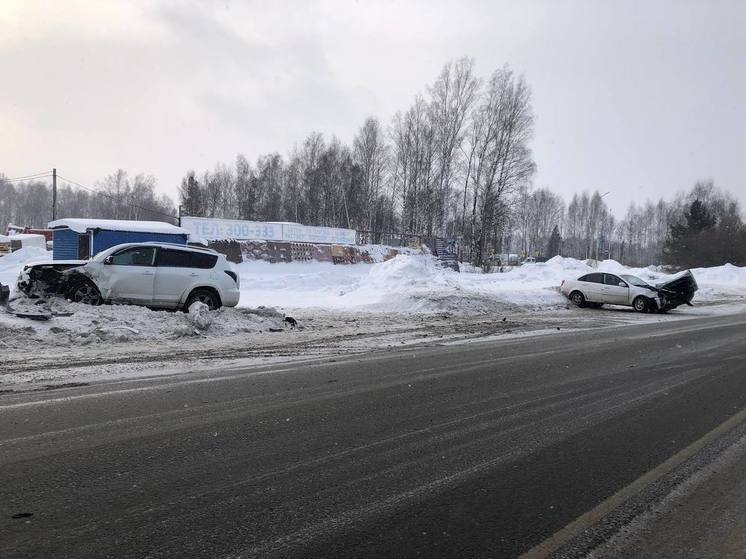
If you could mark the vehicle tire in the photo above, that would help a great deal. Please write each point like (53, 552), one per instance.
(641, 304)
(206, 296)
(85, 291)
(577, 298)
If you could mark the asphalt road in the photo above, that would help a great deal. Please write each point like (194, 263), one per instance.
(476, 450)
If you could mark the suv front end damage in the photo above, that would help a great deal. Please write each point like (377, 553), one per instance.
(48, 278)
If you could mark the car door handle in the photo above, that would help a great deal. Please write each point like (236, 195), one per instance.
(148, 273)
(194, 275)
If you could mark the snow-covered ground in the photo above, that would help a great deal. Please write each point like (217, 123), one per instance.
(340, 308)
(417, 284)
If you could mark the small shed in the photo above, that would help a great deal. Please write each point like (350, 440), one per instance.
(79, 239)
(25, 240)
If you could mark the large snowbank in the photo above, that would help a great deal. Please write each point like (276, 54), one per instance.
(416, 283)
(721, 275)
(404, 283)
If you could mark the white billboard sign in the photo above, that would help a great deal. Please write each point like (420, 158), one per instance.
(213, 229)
(324, 235)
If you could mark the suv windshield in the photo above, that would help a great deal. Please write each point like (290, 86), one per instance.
(634, 280)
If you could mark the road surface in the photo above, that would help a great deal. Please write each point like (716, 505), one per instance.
(541, 444)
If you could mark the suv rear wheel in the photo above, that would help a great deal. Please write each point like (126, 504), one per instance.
(206, 296)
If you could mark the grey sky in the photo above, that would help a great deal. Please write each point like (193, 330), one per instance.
(637, 98)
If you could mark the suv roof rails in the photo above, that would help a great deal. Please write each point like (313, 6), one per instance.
(178, 245)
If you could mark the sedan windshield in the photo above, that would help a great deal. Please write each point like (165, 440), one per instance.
(634, 280)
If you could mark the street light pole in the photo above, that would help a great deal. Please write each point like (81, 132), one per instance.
(54, 194)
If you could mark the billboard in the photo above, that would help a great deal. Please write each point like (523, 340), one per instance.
(213, 229)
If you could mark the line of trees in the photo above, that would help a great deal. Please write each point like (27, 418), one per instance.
(700, 227)
(447, 166)
(457, 163)
(117, 196)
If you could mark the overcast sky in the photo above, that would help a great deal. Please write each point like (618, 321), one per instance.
(639, 99)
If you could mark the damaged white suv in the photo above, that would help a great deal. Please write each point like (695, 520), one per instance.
(155, 275)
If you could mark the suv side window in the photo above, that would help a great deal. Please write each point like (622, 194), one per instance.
(172, 258)
(134, 256)
(593, 278)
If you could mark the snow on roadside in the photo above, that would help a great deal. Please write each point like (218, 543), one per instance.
(406, 284)
(418, 284)
(76, 324)
(12, 264)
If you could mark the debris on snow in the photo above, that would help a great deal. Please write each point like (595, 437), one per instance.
(199, 315)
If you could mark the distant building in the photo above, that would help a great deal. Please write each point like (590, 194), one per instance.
(79, 239)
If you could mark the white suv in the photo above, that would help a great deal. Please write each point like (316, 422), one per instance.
(156, 275)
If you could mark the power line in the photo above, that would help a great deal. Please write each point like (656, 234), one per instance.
(98, 192)
(28, 177)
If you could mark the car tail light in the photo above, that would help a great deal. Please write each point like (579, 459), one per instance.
(232, 274)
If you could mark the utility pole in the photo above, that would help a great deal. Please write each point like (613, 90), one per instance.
(54, 194)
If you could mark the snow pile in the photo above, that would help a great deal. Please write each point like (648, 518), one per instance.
(12, 264)
(405, 283)
(727, 274)
(379, 253)
(297, 284)
(79, 324)
(417, 283)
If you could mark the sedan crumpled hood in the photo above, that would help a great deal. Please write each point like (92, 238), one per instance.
(680, 289)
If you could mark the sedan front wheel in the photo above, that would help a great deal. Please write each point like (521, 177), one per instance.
(640, 304)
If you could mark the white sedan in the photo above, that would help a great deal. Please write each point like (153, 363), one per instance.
(602, 288)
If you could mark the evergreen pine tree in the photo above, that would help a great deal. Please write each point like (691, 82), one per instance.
(685, 245)
(553, 246)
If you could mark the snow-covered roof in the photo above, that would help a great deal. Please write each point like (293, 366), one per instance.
(83, 225)
(26, 236)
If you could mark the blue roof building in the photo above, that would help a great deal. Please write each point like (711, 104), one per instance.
(79, 239)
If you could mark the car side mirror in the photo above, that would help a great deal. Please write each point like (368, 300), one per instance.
(622, 284)
(109, 260)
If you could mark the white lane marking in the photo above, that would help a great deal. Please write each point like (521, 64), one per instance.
(588, 519)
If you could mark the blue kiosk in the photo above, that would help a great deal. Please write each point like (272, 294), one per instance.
(79, 239)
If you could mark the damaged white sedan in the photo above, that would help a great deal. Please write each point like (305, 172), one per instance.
(597, 288)
(158, 275)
